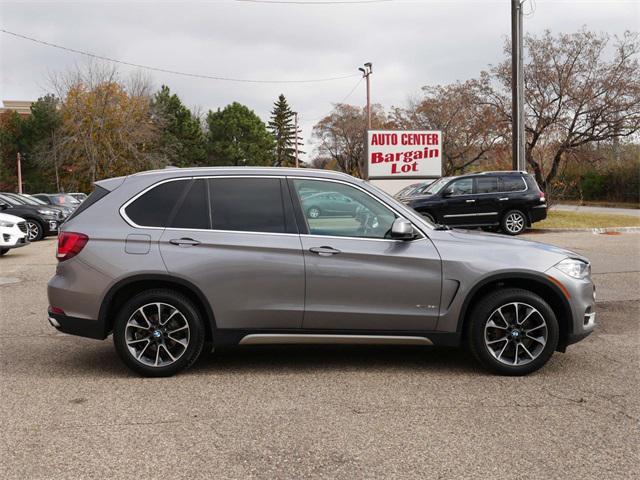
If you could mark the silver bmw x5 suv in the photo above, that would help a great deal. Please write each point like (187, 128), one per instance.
(179, 261)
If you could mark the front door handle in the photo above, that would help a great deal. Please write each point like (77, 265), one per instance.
(470, 201)
(503, 199)
(184, 242)
(324, 251)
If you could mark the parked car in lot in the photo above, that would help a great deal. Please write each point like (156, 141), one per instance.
(328, 204)
(172, 260)
(29, 200)
(81, 197)
(58, 199)
(412, 190)
(42, 221)
(511, 201)
(13, 233)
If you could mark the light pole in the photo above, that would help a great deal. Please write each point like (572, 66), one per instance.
(517, 88)
(366, 73)
(19, 165)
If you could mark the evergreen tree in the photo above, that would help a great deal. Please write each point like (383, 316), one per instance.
(182, 139)
(282, 127)
(238, 137)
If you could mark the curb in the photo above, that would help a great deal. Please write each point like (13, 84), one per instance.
(592, 230)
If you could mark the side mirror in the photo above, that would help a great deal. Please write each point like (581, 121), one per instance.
(402, 229)
(447, 194)
(3, 206)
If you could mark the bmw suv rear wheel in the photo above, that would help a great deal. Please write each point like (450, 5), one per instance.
(513, 332)
(158, 333)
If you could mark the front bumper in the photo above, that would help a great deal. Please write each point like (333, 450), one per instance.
(12, 237)
(582, 300)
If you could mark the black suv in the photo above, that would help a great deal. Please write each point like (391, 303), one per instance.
(41, 220)
(511, 201)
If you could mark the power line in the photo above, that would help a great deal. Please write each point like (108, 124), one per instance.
(173, 72)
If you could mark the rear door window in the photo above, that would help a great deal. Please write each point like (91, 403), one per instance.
(153, 208)
(194, 210)
(486, 184)
(464, 186)
(512, 184)
(247, 205)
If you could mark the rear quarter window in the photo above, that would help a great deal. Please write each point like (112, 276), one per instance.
(512, 184)
(93, 197)
(153, 208)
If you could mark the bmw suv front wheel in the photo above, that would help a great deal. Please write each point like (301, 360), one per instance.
(512, 332)
(158, 333)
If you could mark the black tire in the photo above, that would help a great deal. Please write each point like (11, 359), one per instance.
(429, 217)
(37, 227)
(190, 314)
(3, 251)
(514, 222)
(477, 328)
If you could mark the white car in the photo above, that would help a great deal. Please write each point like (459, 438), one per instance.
(13, 232)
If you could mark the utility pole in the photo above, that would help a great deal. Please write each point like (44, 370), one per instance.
(19, 173)
(518, 160)
(295, 138)
(366, 73)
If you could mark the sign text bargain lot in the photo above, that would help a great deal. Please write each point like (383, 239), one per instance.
(401, 154)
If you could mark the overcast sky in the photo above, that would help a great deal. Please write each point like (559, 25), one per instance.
(411, 44)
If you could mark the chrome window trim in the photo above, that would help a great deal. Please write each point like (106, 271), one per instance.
(526, 187)
(123, 208)
(125, 217)
(423, 235)
(470, 214)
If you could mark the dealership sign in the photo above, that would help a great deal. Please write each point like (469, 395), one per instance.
(400, 154)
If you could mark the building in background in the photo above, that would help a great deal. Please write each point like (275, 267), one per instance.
(21, 107)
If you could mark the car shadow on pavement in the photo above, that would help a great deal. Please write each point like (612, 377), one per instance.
(100, 359)
(329, 358)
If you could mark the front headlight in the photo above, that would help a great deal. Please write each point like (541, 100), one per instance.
(574, 268)
(46, 212)
(6, 224)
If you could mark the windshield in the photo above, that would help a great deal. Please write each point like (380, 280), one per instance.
(438, 185)
(10, 200)
(17, 198)
(409, 189)
(36, 201)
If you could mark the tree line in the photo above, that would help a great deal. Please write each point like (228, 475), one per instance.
(582, 106)
(98, 125)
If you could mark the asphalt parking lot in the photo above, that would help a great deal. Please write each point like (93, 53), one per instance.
(70, 409)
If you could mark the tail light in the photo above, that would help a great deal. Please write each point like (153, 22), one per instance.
(542, 197)
(70, 244)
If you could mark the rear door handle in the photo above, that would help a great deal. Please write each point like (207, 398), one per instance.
(470, 201)
(324, 251)
(503, 199)
(184, 242)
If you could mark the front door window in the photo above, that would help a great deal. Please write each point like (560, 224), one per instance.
(336, 209)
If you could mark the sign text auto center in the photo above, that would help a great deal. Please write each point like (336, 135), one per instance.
(404, 154)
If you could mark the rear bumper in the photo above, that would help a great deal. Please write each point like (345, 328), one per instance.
(537, 213)
(81, 327)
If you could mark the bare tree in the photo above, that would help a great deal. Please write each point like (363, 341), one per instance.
(470, 127)
(576, 93)
(341, 137)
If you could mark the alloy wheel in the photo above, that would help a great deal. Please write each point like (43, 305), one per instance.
(314, 212)
(514, 223)
(33, 231)
(516, 334)
(157, 334)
